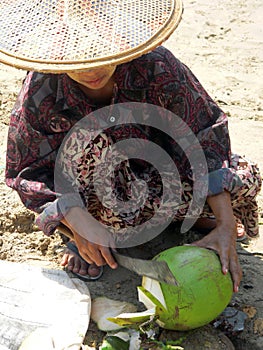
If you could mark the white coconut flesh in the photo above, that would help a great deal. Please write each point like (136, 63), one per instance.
(132, 318)
(103, 308)
(155, 290)
(151, 295)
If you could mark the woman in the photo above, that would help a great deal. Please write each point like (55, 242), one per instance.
(49, 106)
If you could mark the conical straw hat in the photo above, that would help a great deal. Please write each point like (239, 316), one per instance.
(72, 35)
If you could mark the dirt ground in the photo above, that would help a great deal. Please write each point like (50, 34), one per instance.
(222, 43)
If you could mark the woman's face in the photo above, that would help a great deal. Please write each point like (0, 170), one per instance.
(93, 79)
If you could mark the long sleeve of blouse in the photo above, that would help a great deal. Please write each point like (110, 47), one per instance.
(36, 131)
(180, 92)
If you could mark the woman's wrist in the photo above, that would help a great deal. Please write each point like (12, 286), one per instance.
(222, 209)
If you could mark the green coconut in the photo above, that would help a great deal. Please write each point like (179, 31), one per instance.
(202, 293)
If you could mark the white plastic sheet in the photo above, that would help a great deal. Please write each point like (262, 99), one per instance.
(41, 308)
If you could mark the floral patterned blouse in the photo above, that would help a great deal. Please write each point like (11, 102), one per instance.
(50, 104)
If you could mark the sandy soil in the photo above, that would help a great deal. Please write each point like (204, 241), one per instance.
(222, 43)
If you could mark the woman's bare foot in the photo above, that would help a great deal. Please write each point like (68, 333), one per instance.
(76, 264)
(210, 224)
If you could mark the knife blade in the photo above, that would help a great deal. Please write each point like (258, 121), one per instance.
(158, 270)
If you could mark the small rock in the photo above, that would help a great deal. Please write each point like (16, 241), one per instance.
(3, 256)
(258, 326)
(250, 311)
(43, 244)
(231, 320)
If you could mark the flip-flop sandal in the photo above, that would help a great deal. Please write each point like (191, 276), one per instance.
(242, 238)
(71, 246)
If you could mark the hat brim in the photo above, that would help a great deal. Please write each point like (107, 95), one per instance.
(9, 55)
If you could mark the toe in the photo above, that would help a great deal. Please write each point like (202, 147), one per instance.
(83, 267)
(94, 270)
(71, 262)
(64, 260)
(77, 265)
(240, 230)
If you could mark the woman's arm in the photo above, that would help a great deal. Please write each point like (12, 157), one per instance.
(183, 94)
(222, 239)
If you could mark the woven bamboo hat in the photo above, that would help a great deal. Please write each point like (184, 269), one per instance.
(72, 35)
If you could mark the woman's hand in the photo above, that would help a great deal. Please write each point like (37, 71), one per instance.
(92, 239)
(94, 253)
(222, 239)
